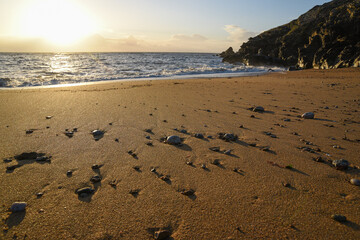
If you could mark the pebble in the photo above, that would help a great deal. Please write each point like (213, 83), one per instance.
(7, 160)
(153, 170)
(48, 117)
(97, 134)
(136, 168)
(29, 131)
(189, 163)
(215, 149)
(69, 173)
(39, 194)
(82, 192)
(258, 109)
(165, 178)
(199, 135)
(341, 164)
(227, 152)
(147, 137)
(216, 162)
(18, 207)
(183, 131)
(203, 166)
(188, 192)
(95, 179)
(95, 166)
(69, 134)
(173, 140)
(339, 218)
(355, 181)
(308, 115)
(148, 130)
(287, 120)
(149, 143)
(161, 235)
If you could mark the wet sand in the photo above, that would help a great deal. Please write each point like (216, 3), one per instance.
(278, 191)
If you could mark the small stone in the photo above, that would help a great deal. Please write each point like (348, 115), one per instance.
(188, 192)
(199, 135)
(147, 137)
(153, 170)
(340, 164)
(227, 152)
(165, 178)
(215, 149)
(69, 173)
(69, 134)
(216, 162)
(136, 168)
(18, 207)
(287, 120)
(339, 218)
(286, 185)
(134, 191)
(95, 166)
(116, 140)
(235, 170)
(97, 134)
(189, 163)
(13, 167)
(162, 235)
(173, 140)
(149, 144)
(252, 116)
(308, 115)
(203, 166)
(48, 117)
(355, 181)
(7, 160)
(258, 109)
(95, 179)
(29, 131)
(148, 130)
(83, 192)
(39, 194)
(183, 131)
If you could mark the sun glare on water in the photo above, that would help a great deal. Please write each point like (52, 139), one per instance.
(60, 22)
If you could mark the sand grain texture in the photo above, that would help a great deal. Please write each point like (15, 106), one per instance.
(252, 203)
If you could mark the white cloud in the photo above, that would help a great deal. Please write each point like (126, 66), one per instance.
(189, 38)
(238, 35)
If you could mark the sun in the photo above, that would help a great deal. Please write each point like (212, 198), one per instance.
(60, 22)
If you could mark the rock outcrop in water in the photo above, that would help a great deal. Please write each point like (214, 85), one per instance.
(327, 36)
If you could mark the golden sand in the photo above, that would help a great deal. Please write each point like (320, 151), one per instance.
(263, 199)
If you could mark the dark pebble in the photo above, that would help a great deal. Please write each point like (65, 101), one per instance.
(339, 218)
(162, 234)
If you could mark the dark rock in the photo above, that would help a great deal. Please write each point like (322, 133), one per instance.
(199, 135)
(48, 117)
(258, 109)
(13, 167)
(340, 164)
(69, 134)
(162, 234)
(215, 149)
(183, 131)
(95, 166)
(188, 192)
(7, 160)
(308, 115)
(28, 156)
(29, 131)
(326, 36)
(18, 207)
(95, 179)
(355, 181)
(227, 136)
(339, 218)
(84, 191)
(173, 140)
(69, 173)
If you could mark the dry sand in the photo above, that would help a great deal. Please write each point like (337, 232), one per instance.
(250, 204)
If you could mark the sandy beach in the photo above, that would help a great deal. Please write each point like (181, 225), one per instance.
(276, 182)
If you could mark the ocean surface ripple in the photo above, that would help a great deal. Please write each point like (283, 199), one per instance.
(43, 69)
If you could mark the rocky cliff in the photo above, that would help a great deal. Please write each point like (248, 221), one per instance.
(327, 36)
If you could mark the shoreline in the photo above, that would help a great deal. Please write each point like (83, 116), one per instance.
(274, 179)
(180, 77)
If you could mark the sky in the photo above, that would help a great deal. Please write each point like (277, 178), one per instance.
(140, 25)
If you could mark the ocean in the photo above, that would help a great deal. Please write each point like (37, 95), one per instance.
(46, 69)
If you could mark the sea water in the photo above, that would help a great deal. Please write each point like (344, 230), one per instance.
(44, 69)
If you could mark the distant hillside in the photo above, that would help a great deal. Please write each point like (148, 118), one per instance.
(327, 36)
